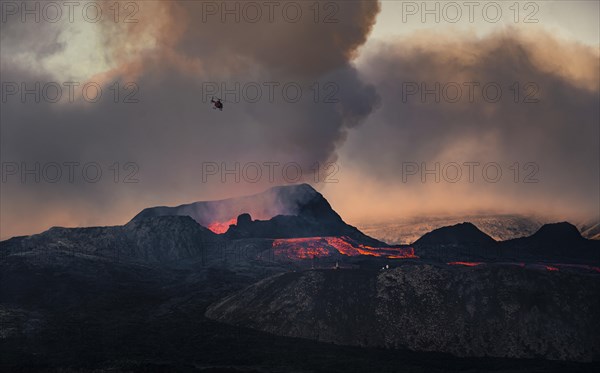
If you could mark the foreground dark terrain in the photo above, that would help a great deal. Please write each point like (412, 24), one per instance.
(164, 293)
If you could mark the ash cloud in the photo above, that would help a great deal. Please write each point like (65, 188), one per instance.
(170, 54)
(559, 133)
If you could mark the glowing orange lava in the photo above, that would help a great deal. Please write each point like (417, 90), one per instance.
(301, 248)
(221, 227)
(468, 264)
(309, 247)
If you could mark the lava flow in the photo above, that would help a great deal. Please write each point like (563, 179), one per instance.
(468, 264)
(221, 227)
(310, 247)
(302, 248)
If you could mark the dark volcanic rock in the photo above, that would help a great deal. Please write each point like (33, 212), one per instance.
(244, 220)
(158, 240)
(79, 313)
(482, 311)
(284, 226)
(168, 238)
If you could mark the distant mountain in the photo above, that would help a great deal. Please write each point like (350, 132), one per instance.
(493, 310)
(590, 229)
(557, 234)
(408, 230)
(459, 234)
(460, 242)
(500, 227)
(557, 241)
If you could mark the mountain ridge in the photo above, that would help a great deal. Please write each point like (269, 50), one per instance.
(157, 235)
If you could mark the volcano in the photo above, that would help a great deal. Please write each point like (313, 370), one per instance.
(305, 226)
(299, 199)
(293, 211)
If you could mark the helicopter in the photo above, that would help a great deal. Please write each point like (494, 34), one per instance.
(217, 103)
